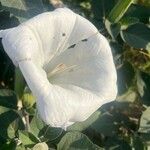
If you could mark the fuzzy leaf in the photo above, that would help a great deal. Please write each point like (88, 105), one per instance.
(76, 140)
(137, 36)
(23, 9)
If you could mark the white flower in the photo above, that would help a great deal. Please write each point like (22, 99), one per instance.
(67, 64)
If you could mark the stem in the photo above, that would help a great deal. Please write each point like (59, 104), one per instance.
(119, 10)
(26, 117)
(19, 83)
(19, 90)
(19, 86)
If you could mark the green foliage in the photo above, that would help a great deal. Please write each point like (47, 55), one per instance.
(19, 83)
(122, 124)
(76, 140)
(23, 9)
(41, 146)
(118, 10)
(8, 99)
(27, 138)
(137, 36)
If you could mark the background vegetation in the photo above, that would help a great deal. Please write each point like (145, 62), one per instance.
(121, 125)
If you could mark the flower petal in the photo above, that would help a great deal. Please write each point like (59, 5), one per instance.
(21, 44)
(88, 65)
(73, 56)
(59, 106)
(52, 30)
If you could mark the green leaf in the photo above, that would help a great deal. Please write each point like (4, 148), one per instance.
(10, 123)
(119, 10)
(128, 21)
(101, 8)
(10, 145)
(19, 83)
(23, 9)
(36, 125)
(41, 146)
(113, 29)
(80, 126)
(140, 12)
(105, 125)
(125, 76)
(27, 138)
(3, 109)
(50, 133)
(20, 147)
(114, 143)
(116, 48)
(8, 99)
(76, 140)
(17, 8)
(11, 131)
(6, 21)
(31, 111)
(137, 36)
(43, 131)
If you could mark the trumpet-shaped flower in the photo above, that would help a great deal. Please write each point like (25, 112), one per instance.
(66, 62)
